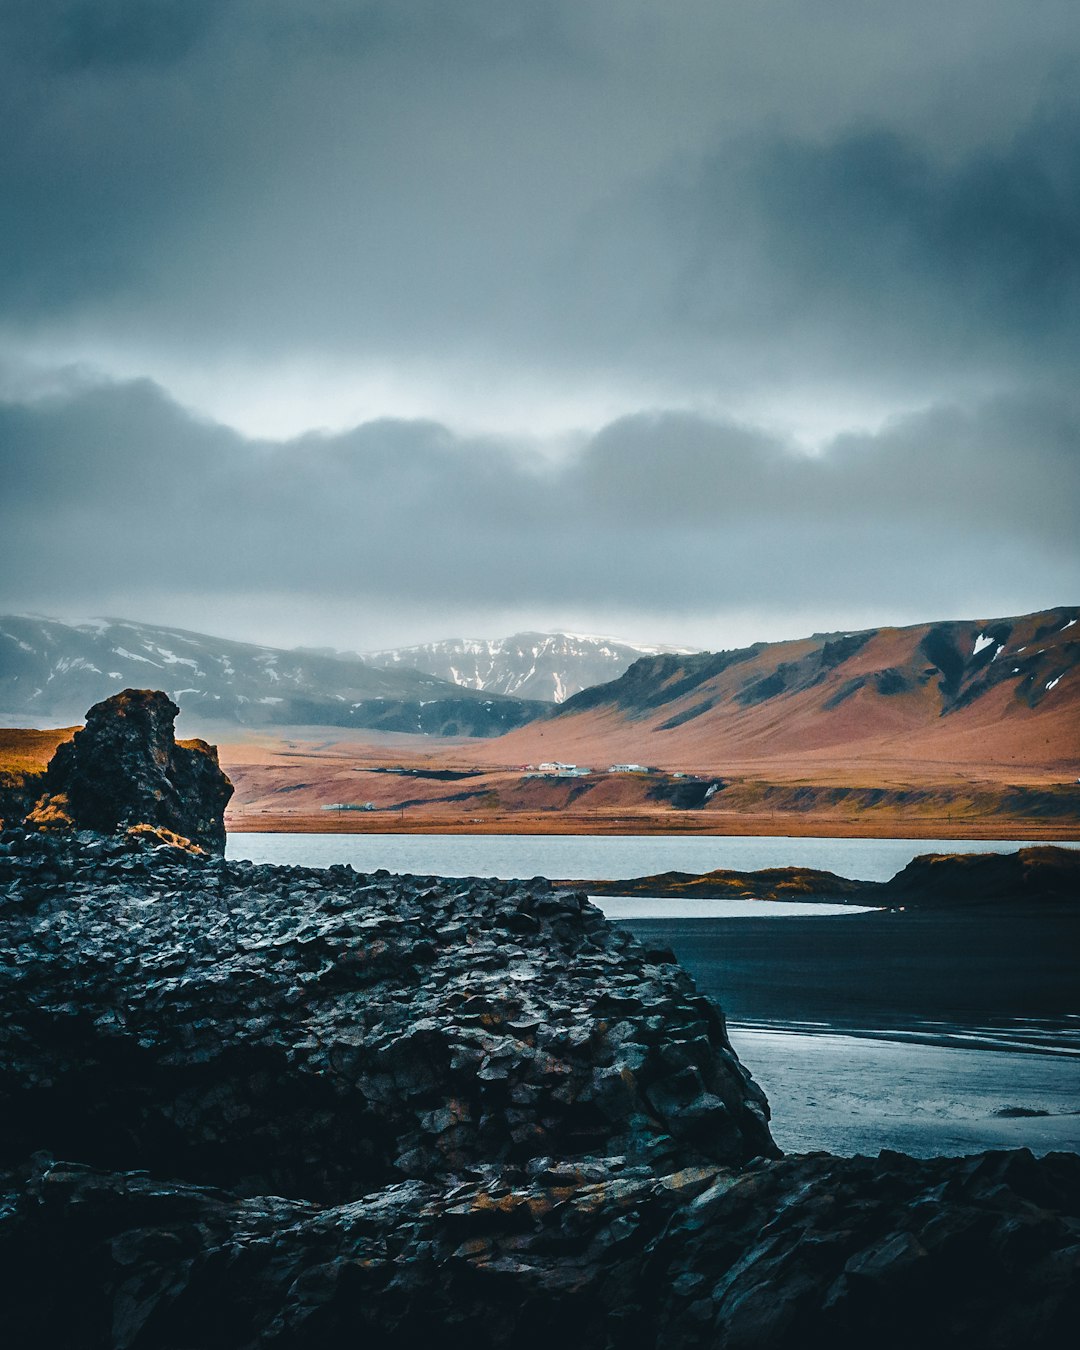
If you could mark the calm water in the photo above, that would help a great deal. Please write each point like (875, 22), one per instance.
(585, 857)
(931, 1033)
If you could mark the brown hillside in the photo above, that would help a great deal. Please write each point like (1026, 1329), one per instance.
(990, 696)
(24, 750)
(960, 730)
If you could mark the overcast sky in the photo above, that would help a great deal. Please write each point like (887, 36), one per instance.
(357, 324)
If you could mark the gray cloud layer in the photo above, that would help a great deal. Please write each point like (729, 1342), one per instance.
(117, 491)
(845, 204)
(750, 185)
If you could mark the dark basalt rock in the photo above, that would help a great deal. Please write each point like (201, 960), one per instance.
(1029, 876)
(812, 1251)
(317, 1033)
(126, 768)
(246, 1106)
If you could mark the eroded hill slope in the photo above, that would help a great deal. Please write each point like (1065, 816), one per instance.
(970, 692)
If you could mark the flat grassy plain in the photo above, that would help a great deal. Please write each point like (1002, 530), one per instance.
(291, 781)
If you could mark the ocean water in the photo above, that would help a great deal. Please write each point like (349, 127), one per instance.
(930, 1033)
(591, 857)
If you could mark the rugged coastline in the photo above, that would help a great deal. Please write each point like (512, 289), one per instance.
(1029, 877)
(271, 1106)
(249, 1106)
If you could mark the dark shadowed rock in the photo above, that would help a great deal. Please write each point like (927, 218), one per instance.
(814, 1251)
(315, 1033)
(246, 1106)
(1029, 876)
(125, 768)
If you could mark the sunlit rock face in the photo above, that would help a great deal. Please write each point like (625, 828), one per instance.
(125, 768)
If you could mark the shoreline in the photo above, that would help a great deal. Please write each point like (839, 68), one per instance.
(926, 1098)
(566, 823)
(290, 1102)
(943, 1036)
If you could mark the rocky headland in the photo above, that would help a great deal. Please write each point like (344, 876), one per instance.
(1042, 874)
(254, 1106)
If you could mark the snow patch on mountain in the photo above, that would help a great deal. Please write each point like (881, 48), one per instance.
(52, 672)
(548, 666)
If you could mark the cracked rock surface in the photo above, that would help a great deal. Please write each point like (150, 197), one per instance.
(125, 768)
(316, 1033)
(251, 1106)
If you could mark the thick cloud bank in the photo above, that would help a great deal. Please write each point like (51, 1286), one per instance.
(722, 202)
(583, 276)
(118, 496)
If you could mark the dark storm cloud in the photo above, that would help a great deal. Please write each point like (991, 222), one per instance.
(117, 489)
(870, 248)
(850, 205)
(247, 159)
(72, 35)
(714, 197)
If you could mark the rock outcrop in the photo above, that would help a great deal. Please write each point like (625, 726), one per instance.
(812, 1251)
(317, 1033)
(126, 769)
(245, 1106)
(1029, 876)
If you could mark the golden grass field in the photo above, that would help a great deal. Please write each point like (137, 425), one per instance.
(284, 782)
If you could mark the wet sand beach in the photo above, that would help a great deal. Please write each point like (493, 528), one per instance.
(932, 1033)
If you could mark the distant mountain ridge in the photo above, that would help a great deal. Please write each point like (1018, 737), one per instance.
(548, 666)
(964, 689)
(51, 671)
(1005, 690)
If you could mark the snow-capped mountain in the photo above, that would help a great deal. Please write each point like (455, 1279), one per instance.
(549, 666)
(50, 673)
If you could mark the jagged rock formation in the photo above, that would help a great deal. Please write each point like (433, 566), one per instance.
(246, 1106)
(316, 1034)
(126, 769)
(813, 1251)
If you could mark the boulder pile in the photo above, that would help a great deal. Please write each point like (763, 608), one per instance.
(315, 1033)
